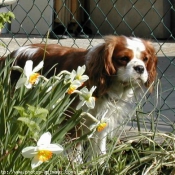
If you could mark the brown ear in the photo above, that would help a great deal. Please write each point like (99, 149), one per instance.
(100, 65)
(110, 44)
(151, 66)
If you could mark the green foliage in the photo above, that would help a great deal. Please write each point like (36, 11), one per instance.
(6, 18)
(25, 114)
(28, 117)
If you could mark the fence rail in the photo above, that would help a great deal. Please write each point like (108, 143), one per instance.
(81, 23)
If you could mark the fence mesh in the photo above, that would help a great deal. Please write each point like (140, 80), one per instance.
(81, 23)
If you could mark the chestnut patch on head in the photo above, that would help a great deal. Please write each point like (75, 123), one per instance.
(122, 57)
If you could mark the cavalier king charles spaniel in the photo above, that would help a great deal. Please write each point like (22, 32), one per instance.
(120, 68)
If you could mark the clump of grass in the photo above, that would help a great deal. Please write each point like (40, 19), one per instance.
(139, 154)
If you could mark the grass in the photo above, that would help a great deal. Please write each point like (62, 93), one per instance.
(25, 114)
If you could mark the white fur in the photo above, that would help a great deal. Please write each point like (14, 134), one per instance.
(128, 73)
(118, 103)
(120, 97)
(26, 51)
(135, 44)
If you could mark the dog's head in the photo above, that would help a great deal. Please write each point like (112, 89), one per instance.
(129, 59)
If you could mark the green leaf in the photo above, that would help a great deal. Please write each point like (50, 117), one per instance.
(21, 111)
(38, 112)
(41, 113)
(33, 126)
(6, 17)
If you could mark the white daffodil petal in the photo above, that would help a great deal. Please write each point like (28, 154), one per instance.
(45, 139)
(92, 89)
(28, 85)
(38, 67)
(73, 74)
(80, 105)
(28, 67)
(81, 98)
(35, 162)
(90, 104)
(84, 90)
(80, 70)
(20, 82)
(29, 152)
(76, 83)
(83, 68)
(84, 77)
(55, 148)
(70, 77)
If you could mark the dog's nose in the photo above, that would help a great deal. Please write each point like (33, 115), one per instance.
(139, 69)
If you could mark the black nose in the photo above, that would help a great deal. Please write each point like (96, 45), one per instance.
(139, 69)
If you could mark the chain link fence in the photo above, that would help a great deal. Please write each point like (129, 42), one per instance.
(82, 23)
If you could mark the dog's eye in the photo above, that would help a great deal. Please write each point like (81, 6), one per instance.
(145, 59)
(125, 59)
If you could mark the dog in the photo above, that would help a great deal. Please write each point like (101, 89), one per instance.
(120, 67)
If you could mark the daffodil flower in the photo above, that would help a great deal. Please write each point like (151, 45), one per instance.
(43, 151)
(73, 86)
(31, 76)
(86, 98)
(99, 125)
(102, 126)
(77, 75)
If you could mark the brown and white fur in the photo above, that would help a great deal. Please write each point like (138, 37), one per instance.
(119, 67)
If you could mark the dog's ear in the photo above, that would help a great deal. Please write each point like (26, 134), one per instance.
(110, 44)
(100, 64)
(151, 66)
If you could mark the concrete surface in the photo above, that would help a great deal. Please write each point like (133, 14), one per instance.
(160, 106)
